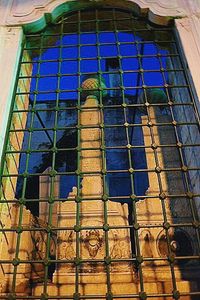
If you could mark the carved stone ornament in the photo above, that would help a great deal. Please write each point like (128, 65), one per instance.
(28, 11)
(179, 244)
(93, 241)
(120, 247)
(65, 246)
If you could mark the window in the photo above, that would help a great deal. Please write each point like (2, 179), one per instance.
(100, 177)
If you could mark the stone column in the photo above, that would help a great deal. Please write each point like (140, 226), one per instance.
(92, 277)
(44, 194)
(150, 211)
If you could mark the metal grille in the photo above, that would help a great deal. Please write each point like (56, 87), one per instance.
(100, 171)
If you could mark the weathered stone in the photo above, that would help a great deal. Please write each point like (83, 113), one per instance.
(91, 211)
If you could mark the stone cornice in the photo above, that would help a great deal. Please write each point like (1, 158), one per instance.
(33, 11)
(189, 32)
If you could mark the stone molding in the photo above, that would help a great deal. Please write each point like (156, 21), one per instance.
(9, 56)
(17, 12)
(189, 33)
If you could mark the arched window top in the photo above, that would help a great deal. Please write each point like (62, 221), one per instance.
(101, 42)
(106, 19)
(36, 16)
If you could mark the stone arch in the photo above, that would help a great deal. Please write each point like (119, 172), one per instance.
(34, 17)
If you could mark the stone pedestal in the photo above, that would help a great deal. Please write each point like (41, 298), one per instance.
(10, 239)
(91, 230)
